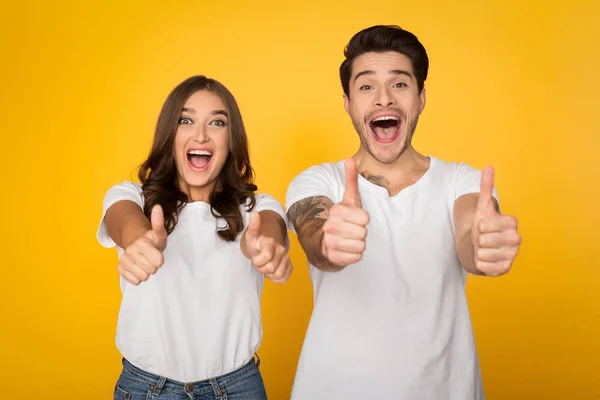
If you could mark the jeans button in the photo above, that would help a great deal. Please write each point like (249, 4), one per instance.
(189, 387)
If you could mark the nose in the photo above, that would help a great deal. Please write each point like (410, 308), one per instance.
(384, 98)
(201, 135)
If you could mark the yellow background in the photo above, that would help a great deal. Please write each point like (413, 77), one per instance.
(511, 84)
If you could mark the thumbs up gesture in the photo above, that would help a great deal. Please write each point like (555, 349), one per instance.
(144, 256)
(345, 231)
(495, 238)
(268, 256)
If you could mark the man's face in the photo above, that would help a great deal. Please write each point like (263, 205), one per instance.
(384, 103)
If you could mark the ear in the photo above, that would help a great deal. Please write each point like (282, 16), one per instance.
(347, 103)
(422, 97)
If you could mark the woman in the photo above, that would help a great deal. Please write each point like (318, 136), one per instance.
(189, 323)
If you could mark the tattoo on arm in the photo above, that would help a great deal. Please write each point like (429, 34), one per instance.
(315, 207)
(376, 179)
(308, 217)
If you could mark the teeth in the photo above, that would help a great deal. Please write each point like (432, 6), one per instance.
(199, 153)
(386, 118)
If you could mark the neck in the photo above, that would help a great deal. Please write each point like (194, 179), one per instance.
(409, 160)
(394, 176)
(197, 193)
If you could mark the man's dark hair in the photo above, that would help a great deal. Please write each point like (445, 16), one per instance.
(382, 38)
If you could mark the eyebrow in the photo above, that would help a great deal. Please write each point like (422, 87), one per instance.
(393, 72)
(215, 112)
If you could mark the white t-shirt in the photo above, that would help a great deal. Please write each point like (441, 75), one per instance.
(396, 324)
(199, 316)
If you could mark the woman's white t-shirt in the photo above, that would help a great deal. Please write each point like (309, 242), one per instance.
(198, 316)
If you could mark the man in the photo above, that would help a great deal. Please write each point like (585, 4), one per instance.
(390, 236)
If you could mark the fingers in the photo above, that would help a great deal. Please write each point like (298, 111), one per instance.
(496, 255)
(140, 260)
(343, 245)
(129, 277)
(148, 257)
(351, 195)
(495, 240)
(342, 258)
(343, 213)
(494, 268)
(128, 269)
(282, 273)
(344, 234)
(486, 201)
(273, 261)
(497, 223)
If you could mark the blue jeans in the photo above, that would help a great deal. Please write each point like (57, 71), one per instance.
(243, 384)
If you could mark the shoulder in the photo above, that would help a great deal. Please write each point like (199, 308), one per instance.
(126, 190)
(452, 170)
(326, 179)
(328, 170)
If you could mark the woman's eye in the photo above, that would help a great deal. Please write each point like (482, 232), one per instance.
(218, 122)
(185, 121)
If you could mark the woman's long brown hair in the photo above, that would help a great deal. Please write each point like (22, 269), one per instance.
(235, 183)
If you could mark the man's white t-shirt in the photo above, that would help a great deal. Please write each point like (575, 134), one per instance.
(396, 324)
(199, 316)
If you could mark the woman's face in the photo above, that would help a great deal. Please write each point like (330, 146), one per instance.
(201, 144)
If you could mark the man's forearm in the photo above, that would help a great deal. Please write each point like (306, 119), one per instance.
(308, 217)
(311, 240)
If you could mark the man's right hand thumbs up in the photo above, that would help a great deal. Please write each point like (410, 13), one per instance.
(345, 231)
(144, 256)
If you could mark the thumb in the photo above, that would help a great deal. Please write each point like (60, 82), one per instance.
(486, 201)
(157, 220)
(351, 195)
(253, 232)
(254, 225)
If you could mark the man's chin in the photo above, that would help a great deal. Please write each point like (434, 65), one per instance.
(387, 154)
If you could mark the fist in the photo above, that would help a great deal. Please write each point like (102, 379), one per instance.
(269, 257)
(345, 231)
(144, 256)
(496, 240)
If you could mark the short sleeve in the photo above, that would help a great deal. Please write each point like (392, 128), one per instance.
(265, 202)
(468, 180)
(123, 191)
(319, 180)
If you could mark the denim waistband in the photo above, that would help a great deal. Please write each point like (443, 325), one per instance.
(158, 383)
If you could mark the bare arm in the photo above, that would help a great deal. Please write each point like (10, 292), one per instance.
(487, 242)
(126, 222)
(143, 240)
(264, 243)
(308, 217)
(271, 226)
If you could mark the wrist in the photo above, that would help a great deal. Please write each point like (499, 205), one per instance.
(133, 237)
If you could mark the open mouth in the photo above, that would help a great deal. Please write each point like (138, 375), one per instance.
(386, 128)
(199, 159)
